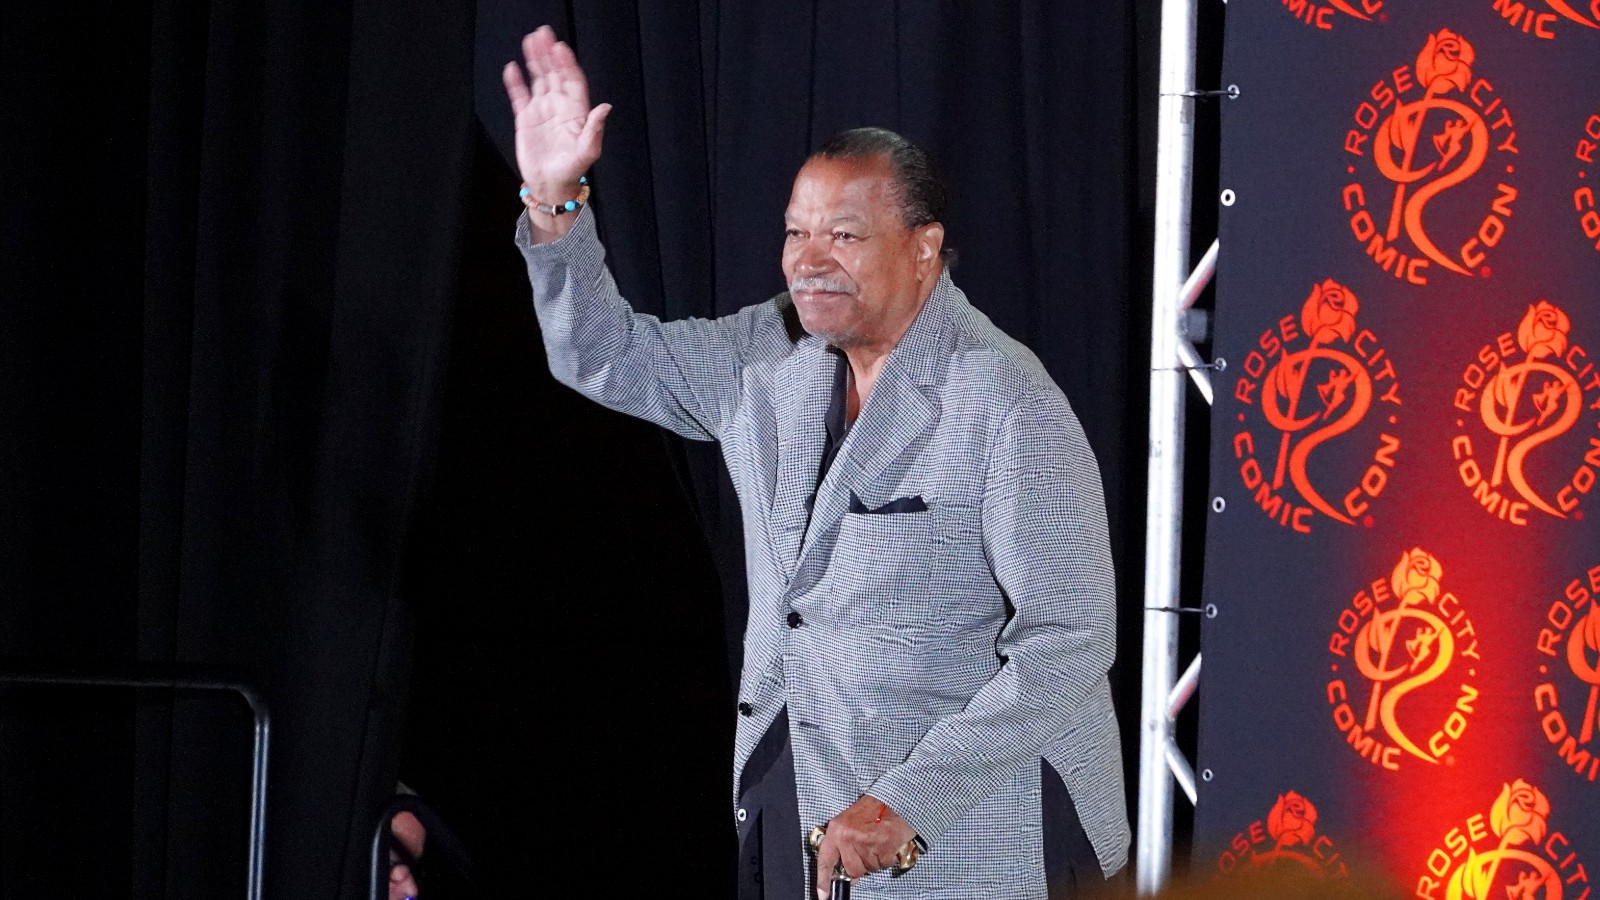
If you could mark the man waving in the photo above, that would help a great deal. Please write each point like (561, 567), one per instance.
(931, 593)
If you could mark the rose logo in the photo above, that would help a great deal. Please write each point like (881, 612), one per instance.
(1293, 821)
(1445, 58)
(1330, 312)
(1415, 578)
(1519, 813)
(1543, 331)
(1292, 826)
(1288, 845)
(1542, 335)
(1583, 640)
(1517, 818)
(1456, 132)
(1328, 316)
(1517, 867)
(1424, 654)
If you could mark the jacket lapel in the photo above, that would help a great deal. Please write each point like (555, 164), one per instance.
(895, 414)
(900, 408)
(802, 387)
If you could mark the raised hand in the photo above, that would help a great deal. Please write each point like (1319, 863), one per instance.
(558, 133)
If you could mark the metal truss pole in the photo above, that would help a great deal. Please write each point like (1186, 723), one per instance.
(1164, 515)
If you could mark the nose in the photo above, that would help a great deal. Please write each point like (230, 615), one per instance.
(812, 256)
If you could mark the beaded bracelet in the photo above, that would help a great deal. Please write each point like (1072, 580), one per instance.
(556, 209)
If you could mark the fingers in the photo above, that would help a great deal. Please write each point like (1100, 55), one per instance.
(536, 51)
(594, 130)
(827, 858)
(521, 87)
(401, 883)
(409, 832)
(552, 67)
(855, 865)
(569, 78)
(856, 853)
(516, 87)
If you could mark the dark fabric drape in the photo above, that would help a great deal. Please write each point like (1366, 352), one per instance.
(69, 433)
(228, 302)
(272, 398)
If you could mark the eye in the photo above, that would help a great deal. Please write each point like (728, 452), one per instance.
(844, 236)
(791, 234)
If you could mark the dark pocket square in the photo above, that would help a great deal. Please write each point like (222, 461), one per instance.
(912, 504)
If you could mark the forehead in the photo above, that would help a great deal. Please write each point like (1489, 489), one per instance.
(836, 188)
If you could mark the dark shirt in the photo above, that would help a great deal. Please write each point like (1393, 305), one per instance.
(837, 427)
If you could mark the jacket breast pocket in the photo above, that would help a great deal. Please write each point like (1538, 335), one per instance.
(881, 567)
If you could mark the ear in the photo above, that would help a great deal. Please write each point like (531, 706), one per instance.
(930, 242)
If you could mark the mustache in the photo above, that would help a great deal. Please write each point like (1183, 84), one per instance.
(819, 284)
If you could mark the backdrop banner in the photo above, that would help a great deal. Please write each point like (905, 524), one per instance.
(1402, 648)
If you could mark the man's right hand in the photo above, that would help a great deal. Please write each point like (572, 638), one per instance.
(558, 133)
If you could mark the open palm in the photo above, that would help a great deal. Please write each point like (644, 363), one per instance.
(558, 133)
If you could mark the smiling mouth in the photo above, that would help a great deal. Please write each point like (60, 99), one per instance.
(812, 296)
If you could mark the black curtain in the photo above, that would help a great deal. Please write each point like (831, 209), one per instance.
(271, 397)
(229, 251)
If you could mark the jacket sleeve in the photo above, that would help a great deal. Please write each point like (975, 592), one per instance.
(681, 375)
(1045, 537)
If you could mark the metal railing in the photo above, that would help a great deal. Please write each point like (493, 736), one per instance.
(172, 677)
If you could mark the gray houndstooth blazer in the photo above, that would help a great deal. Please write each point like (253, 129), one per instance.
(940, 653)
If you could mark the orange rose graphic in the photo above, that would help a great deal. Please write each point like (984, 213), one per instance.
(1293, 820)
(1542, 383)
(1416, 577)
(1329, 312)
(1430, 145)
(1543, 331)
(1518, 819)
(1445, 62)
(1588, 636)
(1518, 815)
(1586, 639)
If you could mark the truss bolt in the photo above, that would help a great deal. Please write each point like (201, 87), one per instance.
(1205, 775)
(1228, 196)
(1218, 504)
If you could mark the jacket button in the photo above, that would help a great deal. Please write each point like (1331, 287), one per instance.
(794, 620)
(745, 709)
